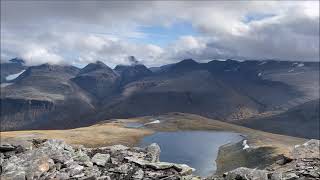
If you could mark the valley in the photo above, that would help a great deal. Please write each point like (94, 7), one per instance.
(247, 93)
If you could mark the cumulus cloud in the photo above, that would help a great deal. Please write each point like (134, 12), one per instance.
(82, 32)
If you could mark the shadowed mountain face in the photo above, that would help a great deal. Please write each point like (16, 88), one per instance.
(300, 121)
(225, 90)
(132, 72)
(98, 80)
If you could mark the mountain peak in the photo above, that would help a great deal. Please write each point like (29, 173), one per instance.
(188, 61)
(186, 64)
(100, 63)
(97, 66)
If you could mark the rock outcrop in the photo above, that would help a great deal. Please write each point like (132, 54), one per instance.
(54, 159)
(304, 163)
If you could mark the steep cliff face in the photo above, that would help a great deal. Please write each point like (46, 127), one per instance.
(17, 113)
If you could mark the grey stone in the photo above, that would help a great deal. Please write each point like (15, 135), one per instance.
(124, 168)
(247, 173)
(153, 152)
(62, 175)
(276, 176)
(6, 147)
(308, 150)
(78, 175)
(75, 169)
(100, 159)
(104, 178)
(118, 147)
(14, 175)
(290, 176)
(138, 175)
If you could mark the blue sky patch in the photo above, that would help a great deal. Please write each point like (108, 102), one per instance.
(163, 35)
(256, 17)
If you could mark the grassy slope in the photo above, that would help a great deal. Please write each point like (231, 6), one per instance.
(91, 136)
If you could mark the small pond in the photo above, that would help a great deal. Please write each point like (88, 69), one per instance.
(198, 149)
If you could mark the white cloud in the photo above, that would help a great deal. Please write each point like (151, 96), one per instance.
(39, 55)
(81, 32)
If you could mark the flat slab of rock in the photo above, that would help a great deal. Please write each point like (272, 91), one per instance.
(100, 159)
(6, 147)
(247, 173)
(183, 169)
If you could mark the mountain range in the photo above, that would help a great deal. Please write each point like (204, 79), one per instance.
(267, 95)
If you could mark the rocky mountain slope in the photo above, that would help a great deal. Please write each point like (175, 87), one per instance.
(47, 159)
(14, 66)
(45, 96)
(306, 116)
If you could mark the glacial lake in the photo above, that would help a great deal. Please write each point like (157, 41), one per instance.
(198, 149)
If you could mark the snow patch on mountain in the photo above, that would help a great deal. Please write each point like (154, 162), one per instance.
(153, 122)
(14, 76)
(245, 145)
(300, 65)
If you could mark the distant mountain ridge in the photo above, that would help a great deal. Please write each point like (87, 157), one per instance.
(56, 96)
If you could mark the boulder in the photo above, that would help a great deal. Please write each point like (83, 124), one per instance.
(153, 152)
(181, 168)
(6, 147)
(100, 159)
(138, 175)
(75, 169)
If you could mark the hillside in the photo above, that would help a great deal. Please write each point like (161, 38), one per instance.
(41, 97)
(299, 121)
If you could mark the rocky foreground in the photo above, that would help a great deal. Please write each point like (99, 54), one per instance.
(54, 159)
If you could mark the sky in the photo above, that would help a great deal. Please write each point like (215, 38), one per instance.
(158, 32)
